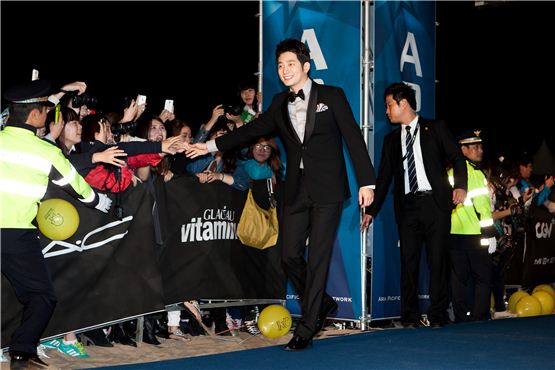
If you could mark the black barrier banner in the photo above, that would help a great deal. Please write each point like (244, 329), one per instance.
(111, 269)
(203, 257)
(539, 258)
(106, 271)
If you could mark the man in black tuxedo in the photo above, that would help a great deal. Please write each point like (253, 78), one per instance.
(416, 155)
(312, 120)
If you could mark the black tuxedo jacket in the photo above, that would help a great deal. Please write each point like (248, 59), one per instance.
(321, 150)
(438, 150)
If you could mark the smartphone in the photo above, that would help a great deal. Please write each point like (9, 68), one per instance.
(168, 105)
(35, 75)
(141, 99)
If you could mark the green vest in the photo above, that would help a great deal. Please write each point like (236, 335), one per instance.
(474, 215)
(26, 163)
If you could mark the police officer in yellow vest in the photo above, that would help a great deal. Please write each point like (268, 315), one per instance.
(472, 235)
(26, 165)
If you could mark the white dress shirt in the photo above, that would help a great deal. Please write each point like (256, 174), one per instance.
(297, 112)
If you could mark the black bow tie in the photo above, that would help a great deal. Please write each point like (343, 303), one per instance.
(293, 96)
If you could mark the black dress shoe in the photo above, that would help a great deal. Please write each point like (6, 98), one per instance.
(436, 324)
(24, 360)
(329, 308)
(18, 362)
(410, 324)
(298, 343)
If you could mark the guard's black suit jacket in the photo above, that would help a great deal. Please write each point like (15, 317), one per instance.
(321, 150)
(438, 150)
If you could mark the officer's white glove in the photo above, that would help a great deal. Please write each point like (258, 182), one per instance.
(491, 243)
(104, 203)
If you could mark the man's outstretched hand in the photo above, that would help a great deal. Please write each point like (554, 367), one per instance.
(196, 150)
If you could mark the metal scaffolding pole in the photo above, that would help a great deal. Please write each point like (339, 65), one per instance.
(368, 134)
(260, 52)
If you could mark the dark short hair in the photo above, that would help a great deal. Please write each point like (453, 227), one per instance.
(177, 125)
(524, 159)
(294, 46)
(68, 115)
(247, 83)
(90, 126)
(400, 91)
(20, 112)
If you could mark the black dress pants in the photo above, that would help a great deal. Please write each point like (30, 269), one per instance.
(306, 218)
(423, 222)
(470, 271)
(24, 266)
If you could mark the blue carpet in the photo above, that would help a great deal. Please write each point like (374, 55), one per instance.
(526, 343)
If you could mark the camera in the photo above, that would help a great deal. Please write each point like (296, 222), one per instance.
(121, 128)
(77, 101)
(233, 109)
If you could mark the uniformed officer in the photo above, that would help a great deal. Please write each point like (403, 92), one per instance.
(26, 165)
(472, 236)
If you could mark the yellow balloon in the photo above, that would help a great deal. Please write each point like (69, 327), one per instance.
(528, 306)
(515, 297)
(57, 218)
(274, 321)
(546, 288)
(546, 301)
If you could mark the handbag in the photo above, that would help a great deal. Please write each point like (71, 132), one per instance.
(258, 228)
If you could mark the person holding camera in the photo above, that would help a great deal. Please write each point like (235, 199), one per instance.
(247, 90)
(505, 211)
(313, 120)
(28, 163)
(80, 102)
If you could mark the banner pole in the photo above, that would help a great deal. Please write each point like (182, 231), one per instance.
(260, 52)
(367, 127)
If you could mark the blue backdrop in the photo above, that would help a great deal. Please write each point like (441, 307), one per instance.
(404, 51)
(332, 32)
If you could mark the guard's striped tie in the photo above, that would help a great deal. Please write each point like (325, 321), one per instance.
(411, 166)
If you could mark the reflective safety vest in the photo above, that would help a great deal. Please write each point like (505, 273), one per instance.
(473, 217)
(26, 164)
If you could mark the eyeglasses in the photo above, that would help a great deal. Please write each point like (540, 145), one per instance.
(263, 147)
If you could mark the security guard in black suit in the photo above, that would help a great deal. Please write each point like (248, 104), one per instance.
(416, 155)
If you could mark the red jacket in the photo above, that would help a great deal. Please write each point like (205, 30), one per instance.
(104, 179)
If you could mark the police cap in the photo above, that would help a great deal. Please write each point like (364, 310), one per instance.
(470, 137)
(29, 92)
